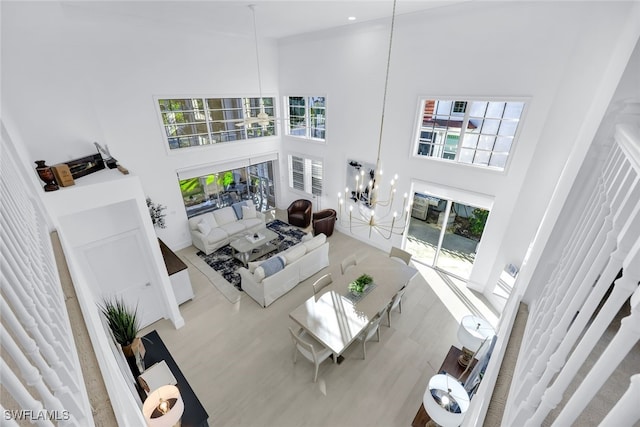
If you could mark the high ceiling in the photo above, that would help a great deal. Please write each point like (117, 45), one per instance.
(275, 19)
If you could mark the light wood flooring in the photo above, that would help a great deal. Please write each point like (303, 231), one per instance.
(238, 356)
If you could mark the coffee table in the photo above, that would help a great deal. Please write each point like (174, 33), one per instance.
(247, 249)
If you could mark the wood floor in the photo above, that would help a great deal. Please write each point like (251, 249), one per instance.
(238, 356)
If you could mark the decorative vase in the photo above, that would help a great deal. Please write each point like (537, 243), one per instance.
(134, 353)
(46, 175)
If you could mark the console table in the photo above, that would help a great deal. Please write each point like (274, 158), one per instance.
(449, 365)
(194, 413)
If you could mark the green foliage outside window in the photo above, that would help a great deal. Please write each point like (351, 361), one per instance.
(478, 221)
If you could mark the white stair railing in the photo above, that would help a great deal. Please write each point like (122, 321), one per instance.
(570, 316)
(39, 366)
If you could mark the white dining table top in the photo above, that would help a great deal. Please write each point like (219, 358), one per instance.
(334, 320)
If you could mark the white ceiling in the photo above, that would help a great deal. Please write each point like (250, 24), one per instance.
(275, 19)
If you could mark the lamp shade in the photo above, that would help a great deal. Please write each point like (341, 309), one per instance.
(445, 400)
(473, 331)
(153, 414)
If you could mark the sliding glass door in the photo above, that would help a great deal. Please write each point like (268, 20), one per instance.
(445, 234)
(219, 189)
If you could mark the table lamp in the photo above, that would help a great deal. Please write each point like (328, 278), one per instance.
(445, 400)
(472, 332)
(163, 407)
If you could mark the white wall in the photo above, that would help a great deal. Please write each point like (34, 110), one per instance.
(71, 77)
(543, 51)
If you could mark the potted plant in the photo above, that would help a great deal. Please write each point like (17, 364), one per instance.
(358, 286)
(125, 325)
(156, 213)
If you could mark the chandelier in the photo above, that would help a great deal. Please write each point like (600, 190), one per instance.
(366, 208)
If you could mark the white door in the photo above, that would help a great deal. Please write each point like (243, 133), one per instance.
(120, 267)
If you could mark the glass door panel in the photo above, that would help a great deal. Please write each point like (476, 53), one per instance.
(445, 234)
(458, 249)
(424, 233)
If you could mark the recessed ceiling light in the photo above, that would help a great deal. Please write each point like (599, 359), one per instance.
(351, 18)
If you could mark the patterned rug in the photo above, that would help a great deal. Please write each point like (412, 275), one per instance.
(223, 262)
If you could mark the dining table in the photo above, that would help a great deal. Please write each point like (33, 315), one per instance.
(335, 317)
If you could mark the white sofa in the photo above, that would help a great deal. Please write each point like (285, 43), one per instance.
(301, 262)
(213, 230)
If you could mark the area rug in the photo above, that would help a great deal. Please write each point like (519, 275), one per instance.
(223, 262)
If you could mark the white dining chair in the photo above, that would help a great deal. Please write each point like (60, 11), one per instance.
(310, 348)
(400, 255)
(349, 261)
(322, 282)
(373, 328)
(395, 302)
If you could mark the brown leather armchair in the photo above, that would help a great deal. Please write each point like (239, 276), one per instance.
(324, 221)
(299, 213)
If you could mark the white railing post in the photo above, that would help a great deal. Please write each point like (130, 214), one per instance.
(20, 393)
(624, 340)
(564, 337)
(36, 332)
(622, 289)
(627, 411)
(31, 349)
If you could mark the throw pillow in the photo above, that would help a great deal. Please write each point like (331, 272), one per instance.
(253, 265)
(295, 253)
(259, 274)
(284, 260)
(271, 266)
(316, 242)
(204, 227)
(249, 212)
(212, 221)
(237, 208)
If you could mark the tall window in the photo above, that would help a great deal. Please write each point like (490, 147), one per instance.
(191, 122)
(306, 117)
(305, 175)
(473, 132)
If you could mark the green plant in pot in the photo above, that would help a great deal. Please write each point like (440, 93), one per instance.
(125, 325)
(358, 285)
